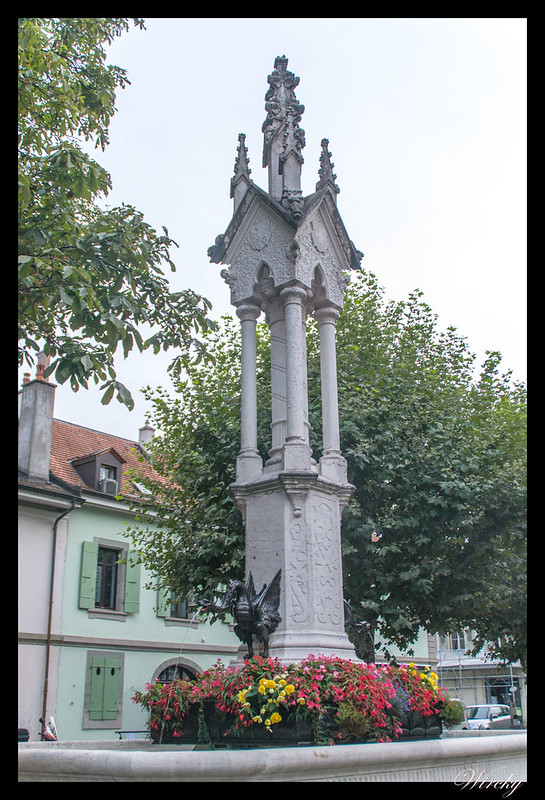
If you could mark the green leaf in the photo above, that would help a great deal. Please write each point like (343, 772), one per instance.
(108, 394)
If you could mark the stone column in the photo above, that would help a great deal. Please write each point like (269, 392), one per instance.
(277, 326)
(305, 379)
(249, 463)
(333, 465)
(296, 450)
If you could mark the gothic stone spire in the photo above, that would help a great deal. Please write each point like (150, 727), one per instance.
(283, 110)
(241, 178)
(289, 165)
(327, 178)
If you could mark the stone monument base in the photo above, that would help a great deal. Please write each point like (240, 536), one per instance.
(293, 524)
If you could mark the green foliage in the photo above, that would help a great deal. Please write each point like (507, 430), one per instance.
(353, 725)
(201, 542)
(451, 711)
(90, 280)
(435, 535)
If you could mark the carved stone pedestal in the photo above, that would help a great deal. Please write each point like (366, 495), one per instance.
(293, 523)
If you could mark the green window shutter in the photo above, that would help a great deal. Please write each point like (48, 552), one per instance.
(96, 696)
(132, 584)
(163, 602)
(104, 691)
(110, 709)
(88, 576)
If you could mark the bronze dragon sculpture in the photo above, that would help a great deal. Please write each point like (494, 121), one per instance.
(254, 614)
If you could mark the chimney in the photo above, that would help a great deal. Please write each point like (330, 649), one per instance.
(145, 435)
(36, 423)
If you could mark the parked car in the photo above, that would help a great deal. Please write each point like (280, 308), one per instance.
(489, 717)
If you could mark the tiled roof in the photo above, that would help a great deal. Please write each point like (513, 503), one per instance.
(70, 441)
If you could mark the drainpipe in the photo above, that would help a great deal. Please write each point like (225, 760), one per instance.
(50, 613)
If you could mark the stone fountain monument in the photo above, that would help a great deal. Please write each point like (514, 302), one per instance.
(289, 257)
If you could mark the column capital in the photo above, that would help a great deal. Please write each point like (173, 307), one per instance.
(326, 314)
(248, 311)
(294, 294)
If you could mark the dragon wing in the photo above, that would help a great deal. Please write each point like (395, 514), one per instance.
(250, 588)
(349, 618)
(269, 599)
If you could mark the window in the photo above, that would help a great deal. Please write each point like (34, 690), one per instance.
(106, 580)
(457, 641)
(171, 607)
(109, 579)
(502, 689)
(181, 609)
(175, 611)
(103, 690)
(107, 481)
(175, 669)
(453, 641)
(107, 473)
(175, 672)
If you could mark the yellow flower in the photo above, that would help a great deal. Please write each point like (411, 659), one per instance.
(267, 723)
(301, 701)
(262, 681)
(257, 719)
(270, 684)
(411, 664)
(282, 682)
(433, 676)
(241, 696)
(261, 689)
(289, 688)
(275, 718)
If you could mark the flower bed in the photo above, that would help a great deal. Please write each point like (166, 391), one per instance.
(320, 700)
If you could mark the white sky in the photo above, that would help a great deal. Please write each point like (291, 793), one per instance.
(426, 121)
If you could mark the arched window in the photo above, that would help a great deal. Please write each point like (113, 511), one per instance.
(175, 672)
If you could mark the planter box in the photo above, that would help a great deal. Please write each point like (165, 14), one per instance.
(416, 727)
(296, 732)
(219, 731)
(217, 724)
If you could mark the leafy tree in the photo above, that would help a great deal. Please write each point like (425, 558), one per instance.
(187, 529)
(90, 279)
(434, 535)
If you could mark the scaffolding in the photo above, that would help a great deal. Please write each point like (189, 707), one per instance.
(467, 680)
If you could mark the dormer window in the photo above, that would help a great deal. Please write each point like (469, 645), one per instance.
(101, 471)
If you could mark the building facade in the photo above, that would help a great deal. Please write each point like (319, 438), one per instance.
(476, 680)
(90, 633)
